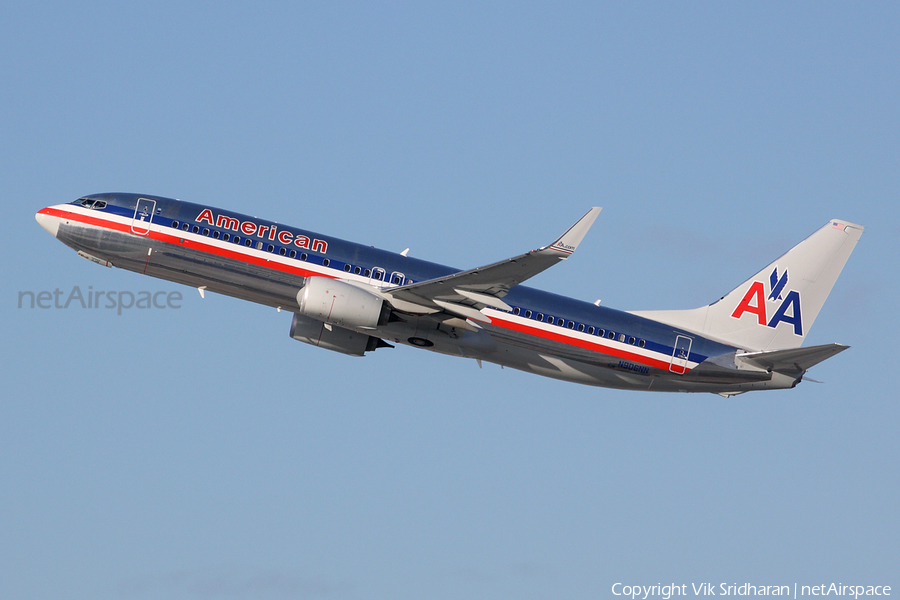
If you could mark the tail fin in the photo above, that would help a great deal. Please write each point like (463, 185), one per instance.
(775, 308)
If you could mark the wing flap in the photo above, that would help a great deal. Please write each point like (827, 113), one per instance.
(485, 299)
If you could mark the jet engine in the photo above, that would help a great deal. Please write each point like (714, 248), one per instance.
(338, 303)
(322, 335)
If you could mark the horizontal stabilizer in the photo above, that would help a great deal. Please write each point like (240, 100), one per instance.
(793, 361)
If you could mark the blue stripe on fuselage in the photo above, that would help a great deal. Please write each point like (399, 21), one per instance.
(341, 252)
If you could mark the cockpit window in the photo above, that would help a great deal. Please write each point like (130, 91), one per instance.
(93, 204)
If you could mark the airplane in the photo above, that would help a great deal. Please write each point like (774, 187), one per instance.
(353, 299)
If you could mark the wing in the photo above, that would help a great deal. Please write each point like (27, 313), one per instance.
(464, 294)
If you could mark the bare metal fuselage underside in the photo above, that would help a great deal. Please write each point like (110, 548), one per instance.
(192, 267)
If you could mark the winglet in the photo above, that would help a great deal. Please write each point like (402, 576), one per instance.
(570, 239)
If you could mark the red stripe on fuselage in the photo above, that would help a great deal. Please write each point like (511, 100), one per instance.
(269, 264)
(573, 341)
(177, 240)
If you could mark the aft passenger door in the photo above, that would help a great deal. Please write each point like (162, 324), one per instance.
(680, 354)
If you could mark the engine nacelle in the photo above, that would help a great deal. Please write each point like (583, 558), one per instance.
(331, 337)
(341, 304)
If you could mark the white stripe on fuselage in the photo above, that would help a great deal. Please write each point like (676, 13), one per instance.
(599, 344)
(249, 251)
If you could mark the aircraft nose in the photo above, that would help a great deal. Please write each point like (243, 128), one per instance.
(47, 221)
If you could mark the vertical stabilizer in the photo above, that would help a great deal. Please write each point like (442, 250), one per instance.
(775, 308)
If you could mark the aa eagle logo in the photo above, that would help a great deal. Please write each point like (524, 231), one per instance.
(757, 303)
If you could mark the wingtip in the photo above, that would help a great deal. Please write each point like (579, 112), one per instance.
(568, 242)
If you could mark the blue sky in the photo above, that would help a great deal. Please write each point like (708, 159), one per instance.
(202, 453)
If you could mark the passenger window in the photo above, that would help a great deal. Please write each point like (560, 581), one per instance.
(282, 251)
(347, 268)
(611, 335)
(621, 337)
(378, 275)
(216, 235)
(248, 242)
(175, 224)
(206, 231)
(292, 254)
(591, 330)
(270, 248)
(367, 273)
(185, 227)
(571, 325)
(642, 343)
(357, 270)
(259, 245)
(326, 262)
(237, 239)
(396, 280)
(527, 314)
(195, 229)
(581, 327)
(540, 316)
(631, 340)
(303, 256)
(516, 311)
